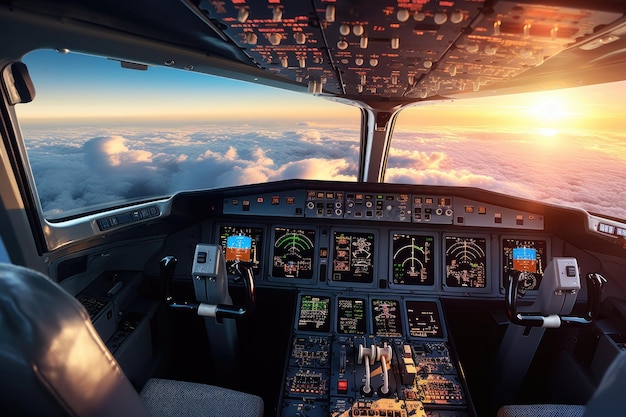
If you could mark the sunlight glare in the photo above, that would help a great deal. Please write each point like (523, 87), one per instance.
(547, 132)
(552, 109)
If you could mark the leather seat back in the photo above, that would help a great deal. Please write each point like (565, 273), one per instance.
(53, 361)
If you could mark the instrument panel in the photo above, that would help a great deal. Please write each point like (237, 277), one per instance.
(376, 314)
(466, 262)
(401, 242)
(371, 271)
(371, 354)
(353, 257)
(293, 253)
(412, 260)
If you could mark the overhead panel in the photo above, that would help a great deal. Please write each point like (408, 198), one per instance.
(282, 37)
(401, 49)
(386, 47)
(506, 40)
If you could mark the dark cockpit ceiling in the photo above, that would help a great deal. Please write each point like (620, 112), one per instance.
(393, 51)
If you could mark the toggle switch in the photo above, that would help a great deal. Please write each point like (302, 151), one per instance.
(243, 14)
(277, 14)
(330, 13)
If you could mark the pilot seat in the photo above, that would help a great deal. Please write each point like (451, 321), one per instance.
(55, 364)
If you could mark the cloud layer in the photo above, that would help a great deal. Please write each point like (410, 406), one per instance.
(74, 170)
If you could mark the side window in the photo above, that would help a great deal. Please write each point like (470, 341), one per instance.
(100, 136)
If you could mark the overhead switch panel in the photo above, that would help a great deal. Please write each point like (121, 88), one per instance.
(401, 49)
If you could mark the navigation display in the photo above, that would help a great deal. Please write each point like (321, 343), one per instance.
(241, 244)
(353, 259)
(294, 251)
(466, 262)
(412, 259)
(351, 315)
(524, 255)
(314, 313)
(423, 319)
(386, 318)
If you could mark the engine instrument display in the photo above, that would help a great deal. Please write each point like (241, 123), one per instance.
(353, 259)
(466, 260)
(351, 315)
(386, 318)
(423, 319)
(314, 313)
(241, 244)
(524, 255)
(294, 251)
(412, 259)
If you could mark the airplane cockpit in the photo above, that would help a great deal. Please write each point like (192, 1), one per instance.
(313, 216)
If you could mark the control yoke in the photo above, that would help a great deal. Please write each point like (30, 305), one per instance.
(557, 294)
(210, 282)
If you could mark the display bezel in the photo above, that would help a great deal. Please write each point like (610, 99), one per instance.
(435, 251)
(401, 315)
(331, 311)
(444, 330)
(489, 273)
(332, 257)
(547, 256)
(258, 272)
(314, 260)
(366, 313)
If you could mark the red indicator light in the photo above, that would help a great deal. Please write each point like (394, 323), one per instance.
(342, 386)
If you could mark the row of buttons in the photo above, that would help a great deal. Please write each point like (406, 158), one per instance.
(128, 217)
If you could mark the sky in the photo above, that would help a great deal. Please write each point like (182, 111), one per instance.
(162, 94)
(97, 134)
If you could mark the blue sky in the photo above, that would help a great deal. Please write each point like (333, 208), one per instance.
(61, 81)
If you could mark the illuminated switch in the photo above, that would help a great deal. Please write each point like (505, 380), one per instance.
(342, 386)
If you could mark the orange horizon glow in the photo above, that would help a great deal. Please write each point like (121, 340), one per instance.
(554, 110)
(598, 107)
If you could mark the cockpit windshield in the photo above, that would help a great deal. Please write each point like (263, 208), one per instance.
(561, 147)
(99, 135)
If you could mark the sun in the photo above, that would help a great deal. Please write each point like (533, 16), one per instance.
(547, 132)
(550, 110)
